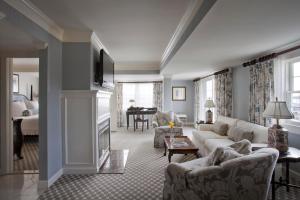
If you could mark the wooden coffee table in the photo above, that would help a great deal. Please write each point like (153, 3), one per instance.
(190, 148)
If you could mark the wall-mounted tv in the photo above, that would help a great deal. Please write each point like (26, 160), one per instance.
(104, 71)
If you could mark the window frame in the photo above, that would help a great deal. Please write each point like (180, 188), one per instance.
(291, 89)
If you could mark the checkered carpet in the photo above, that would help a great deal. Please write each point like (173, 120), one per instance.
(143, 177)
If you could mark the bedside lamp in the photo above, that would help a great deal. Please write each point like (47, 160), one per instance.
(278, 136)
(209, 114)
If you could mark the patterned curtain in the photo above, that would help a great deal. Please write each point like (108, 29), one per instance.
(197, 101)
(223, 93)
(119, 94)
(261, 91)
(157, 95)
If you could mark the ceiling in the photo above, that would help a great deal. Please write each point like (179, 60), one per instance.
(136, 32)
(25, 64)
(235, 31)
(14, 39)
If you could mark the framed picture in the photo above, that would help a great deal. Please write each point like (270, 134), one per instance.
(16, 83)
(178, 93)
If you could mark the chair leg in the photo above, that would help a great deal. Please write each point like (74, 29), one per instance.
(142, 126)
(147, 124)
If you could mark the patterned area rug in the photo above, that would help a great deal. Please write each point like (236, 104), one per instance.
(30, 151)
(143, 177)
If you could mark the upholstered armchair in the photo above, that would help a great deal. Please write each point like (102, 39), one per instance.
(160, 122)
(247, 177)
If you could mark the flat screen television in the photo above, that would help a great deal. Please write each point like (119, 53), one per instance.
(104, 71)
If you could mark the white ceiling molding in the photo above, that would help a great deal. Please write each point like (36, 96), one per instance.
(195, 12)
(37, 16)
(77, 36)
(97, 43)
(137, 66)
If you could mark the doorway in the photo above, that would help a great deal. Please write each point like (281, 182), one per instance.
(24, 113)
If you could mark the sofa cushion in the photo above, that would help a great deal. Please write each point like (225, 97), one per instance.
(227, 120)
(201, 136)
(220, 128)
(237, 134)
(212, 144)
(222, 154)
(260, 133)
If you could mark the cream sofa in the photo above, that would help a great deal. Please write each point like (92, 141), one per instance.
(207, 140)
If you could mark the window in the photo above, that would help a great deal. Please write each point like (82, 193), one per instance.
(295, 89)
(141, 93)
(209, 89)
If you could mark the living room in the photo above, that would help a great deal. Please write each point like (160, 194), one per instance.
(158, 99)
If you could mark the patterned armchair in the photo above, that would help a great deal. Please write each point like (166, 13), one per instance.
(161, 124)
(247, 177)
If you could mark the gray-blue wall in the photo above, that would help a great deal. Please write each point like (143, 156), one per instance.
(186, 106)
(50, 153)
(77, 65)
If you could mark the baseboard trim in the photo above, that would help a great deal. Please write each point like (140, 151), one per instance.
(44, 184)
(77, 170)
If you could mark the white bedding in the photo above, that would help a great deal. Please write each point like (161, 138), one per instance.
(30, 125)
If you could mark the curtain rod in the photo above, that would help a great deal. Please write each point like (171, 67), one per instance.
(270, 56)
(139, 82)
(216, 73)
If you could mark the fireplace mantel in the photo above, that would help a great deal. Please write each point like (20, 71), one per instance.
(82, 112)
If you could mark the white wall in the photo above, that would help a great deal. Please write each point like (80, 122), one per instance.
(26, 79)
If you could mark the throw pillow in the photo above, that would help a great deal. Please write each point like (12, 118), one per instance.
(243, 147)
(220, 128)
(237, 134)
(27, 113)
(163, 119)
(222, 154)
(33, 106)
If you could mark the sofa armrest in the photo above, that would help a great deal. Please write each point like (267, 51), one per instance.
(205, 127)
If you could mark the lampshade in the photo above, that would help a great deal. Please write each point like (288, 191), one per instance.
(209, 104)
(277, 110)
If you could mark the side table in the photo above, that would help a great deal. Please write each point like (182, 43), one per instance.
(292, 155)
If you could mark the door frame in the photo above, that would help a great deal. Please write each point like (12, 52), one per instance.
(6, 73)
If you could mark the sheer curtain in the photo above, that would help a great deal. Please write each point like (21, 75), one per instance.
(141, 93)
(281, 79)
(204, 89)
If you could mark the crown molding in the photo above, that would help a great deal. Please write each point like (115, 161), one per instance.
(195, 12)
(97, 43)
(37, 16)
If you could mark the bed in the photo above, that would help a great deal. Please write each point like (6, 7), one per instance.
(23, 108)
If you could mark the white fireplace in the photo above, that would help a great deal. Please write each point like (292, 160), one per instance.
(86, 130)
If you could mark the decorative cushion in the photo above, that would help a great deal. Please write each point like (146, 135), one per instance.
(163, 119)
(243, 147)
(33, 106)
(27, 113)
(220, 128)
(17, 108)
(237, 134)
(222, 154)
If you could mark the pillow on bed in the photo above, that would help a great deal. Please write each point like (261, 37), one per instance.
(17, 108)
(33, 106)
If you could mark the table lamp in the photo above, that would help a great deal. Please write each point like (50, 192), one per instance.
(278, 136)
(131, 102)
(209, 114)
